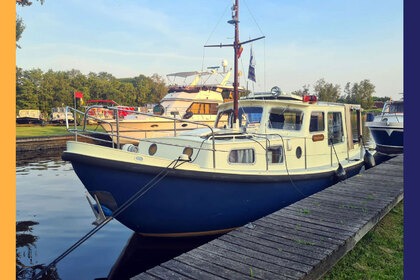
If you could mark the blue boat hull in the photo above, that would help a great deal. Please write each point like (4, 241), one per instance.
(388, 143)
(186, 203)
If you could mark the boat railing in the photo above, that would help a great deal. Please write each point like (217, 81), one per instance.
(113, 136)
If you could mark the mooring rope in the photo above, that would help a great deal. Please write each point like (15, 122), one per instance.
(155, 180)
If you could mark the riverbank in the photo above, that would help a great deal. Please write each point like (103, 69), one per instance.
(50, 137)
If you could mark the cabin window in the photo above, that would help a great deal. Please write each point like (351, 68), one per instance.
(275, 154)
(317, 122)
(246, 116)
(242, 156)
(285, 118)
(224, 119)
(249, 115)
(203, 108)
(335, 127)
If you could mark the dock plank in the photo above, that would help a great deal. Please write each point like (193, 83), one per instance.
(302, 241)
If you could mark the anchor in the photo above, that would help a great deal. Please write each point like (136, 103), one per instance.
(98, 210)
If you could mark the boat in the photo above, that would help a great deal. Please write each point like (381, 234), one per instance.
(264, 152)
(195, 101)
(387, 128)
(98, 110)
(58, 116)
(29, 116)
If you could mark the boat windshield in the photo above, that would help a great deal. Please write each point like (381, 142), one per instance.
(285, 118)
(247, 116)
(394, 107)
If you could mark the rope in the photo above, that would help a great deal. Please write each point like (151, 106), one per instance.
(155, 180)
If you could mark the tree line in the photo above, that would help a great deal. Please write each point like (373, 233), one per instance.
(353, 93)
(36, 89)
(40, 90)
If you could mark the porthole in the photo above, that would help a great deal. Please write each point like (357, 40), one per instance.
(298, 152)
(152, 149)
(188, 151)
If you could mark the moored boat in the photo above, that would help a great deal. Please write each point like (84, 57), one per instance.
(58, 116)
(387, 128)
(29, 116)
(196, 102)
(264, 152)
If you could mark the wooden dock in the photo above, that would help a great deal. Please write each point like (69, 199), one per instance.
(301, 241)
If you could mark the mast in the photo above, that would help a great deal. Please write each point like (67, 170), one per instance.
(236, 49)
(236, 46)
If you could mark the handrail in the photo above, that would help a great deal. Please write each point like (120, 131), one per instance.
(116, 133)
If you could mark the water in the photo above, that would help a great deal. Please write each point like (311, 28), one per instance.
(53, 213)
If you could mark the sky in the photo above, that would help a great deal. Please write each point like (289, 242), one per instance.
(305, 40)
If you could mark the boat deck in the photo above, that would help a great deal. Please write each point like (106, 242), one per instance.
(301, 241)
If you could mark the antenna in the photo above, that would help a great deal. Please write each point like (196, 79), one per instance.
(237, 48)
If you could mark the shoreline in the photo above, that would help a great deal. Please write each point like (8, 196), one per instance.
(41, 143)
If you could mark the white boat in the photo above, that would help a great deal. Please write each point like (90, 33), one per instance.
(264, 152)
(196, 102)
(29, 116)
(58, 116)
(387, 128)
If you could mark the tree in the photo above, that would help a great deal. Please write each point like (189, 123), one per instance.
(302, 92)
(327, 91)
(20, 27)
(360, 93)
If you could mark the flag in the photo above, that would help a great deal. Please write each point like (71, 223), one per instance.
(240, 51)
(251, 70)
(78, 94)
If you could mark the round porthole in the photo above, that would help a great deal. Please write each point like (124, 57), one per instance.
(298, 152)
(152, 149)
(188, 151)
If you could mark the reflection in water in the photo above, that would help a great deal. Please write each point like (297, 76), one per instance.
(25, 249)
(142, 253)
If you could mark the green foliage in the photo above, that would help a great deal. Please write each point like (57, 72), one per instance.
(327, 91)
(358, 93)
(20, 27)
(379, 255)
(44, 91)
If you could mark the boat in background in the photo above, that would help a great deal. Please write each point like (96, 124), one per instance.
(58, 116)
(264, 152)
(387, 128)
(196, 102)
(29, 116)
(97, 110)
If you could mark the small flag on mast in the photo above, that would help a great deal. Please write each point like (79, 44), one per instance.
(251, 70)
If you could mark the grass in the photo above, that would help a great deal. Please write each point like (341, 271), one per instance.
(378, 255)
(48, 130)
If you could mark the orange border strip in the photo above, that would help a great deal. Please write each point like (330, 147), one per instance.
(8, 143)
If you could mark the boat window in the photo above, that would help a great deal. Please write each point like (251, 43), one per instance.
(317, 122)
(249, 115)
(224, 119)
(335, 127)
(242, 156)
(203, 108)
(275, 154)
(285, 118)
(396, 108)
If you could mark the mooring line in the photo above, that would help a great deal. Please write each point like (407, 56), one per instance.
(155, 180)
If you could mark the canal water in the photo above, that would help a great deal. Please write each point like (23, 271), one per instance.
(52, 213)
